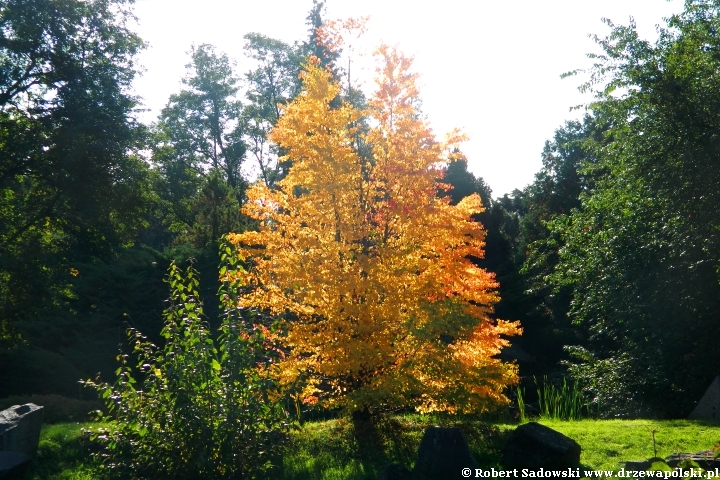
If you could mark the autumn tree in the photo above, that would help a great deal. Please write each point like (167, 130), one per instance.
(368, 268)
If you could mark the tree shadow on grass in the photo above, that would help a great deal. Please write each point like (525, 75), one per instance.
(371, 444)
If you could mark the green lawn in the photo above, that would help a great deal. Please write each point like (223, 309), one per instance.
(63, 454)
(338, 449)
(606, 442)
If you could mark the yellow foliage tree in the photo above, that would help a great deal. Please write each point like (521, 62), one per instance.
(368, 267)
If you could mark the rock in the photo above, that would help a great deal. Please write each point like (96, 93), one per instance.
(13, 464)
(534, 446)
(708, 408)
(394, 472)
(637, 465)
(443, 453)
(704, 459)
(641, 465)
(20, 428)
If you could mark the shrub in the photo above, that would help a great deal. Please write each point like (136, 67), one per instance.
(203, 406)
(616, 385)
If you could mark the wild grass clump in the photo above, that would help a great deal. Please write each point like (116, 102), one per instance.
(560, 402)
(520, 395)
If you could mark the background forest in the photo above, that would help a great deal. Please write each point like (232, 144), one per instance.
(610, 259)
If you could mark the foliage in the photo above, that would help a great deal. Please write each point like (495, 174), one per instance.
(270, 86)
(369, 268)
(75, 336)
(199, 149)
(192, 409)
(69, 186)
(641, 253)
(533, 248)
(560, 402)
(464, 183)
(612, 384)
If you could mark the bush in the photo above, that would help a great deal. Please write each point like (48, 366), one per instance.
(203, 406)
(615, 386)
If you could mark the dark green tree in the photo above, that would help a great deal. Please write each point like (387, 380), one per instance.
(199, 141)
(314, 45)
(464, 183)
(556, 190)
(68, 187)
(641, 253)
(274, 82)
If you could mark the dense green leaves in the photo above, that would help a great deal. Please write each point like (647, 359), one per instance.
(68, 186)
(641, 253)
(196, 407)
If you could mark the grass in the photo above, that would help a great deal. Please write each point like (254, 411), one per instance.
(63, 454)
(605, 443)
(339, 449)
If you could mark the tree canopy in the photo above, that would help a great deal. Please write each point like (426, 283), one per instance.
(641, 252)
(68, 186)
(368, 267)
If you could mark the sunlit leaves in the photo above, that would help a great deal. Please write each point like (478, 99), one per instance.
(370, 269)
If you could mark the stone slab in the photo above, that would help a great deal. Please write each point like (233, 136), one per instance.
(442, 455)
(20, 428)
(535, 446)
(708, 408)
(13, 465)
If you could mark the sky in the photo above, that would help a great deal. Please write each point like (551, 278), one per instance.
(490, 68)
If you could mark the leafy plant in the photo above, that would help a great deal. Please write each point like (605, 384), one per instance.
(521, 404)
(198, 407)
(560, 402)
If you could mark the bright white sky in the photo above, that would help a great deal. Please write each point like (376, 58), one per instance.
(490, 68)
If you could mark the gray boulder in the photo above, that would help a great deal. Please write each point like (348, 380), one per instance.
(443, 454)
(709, 406)
(13, 465)
(534, 446)
(20, 428)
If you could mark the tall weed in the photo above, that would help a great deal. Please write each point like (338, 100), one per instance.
(560, 402)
